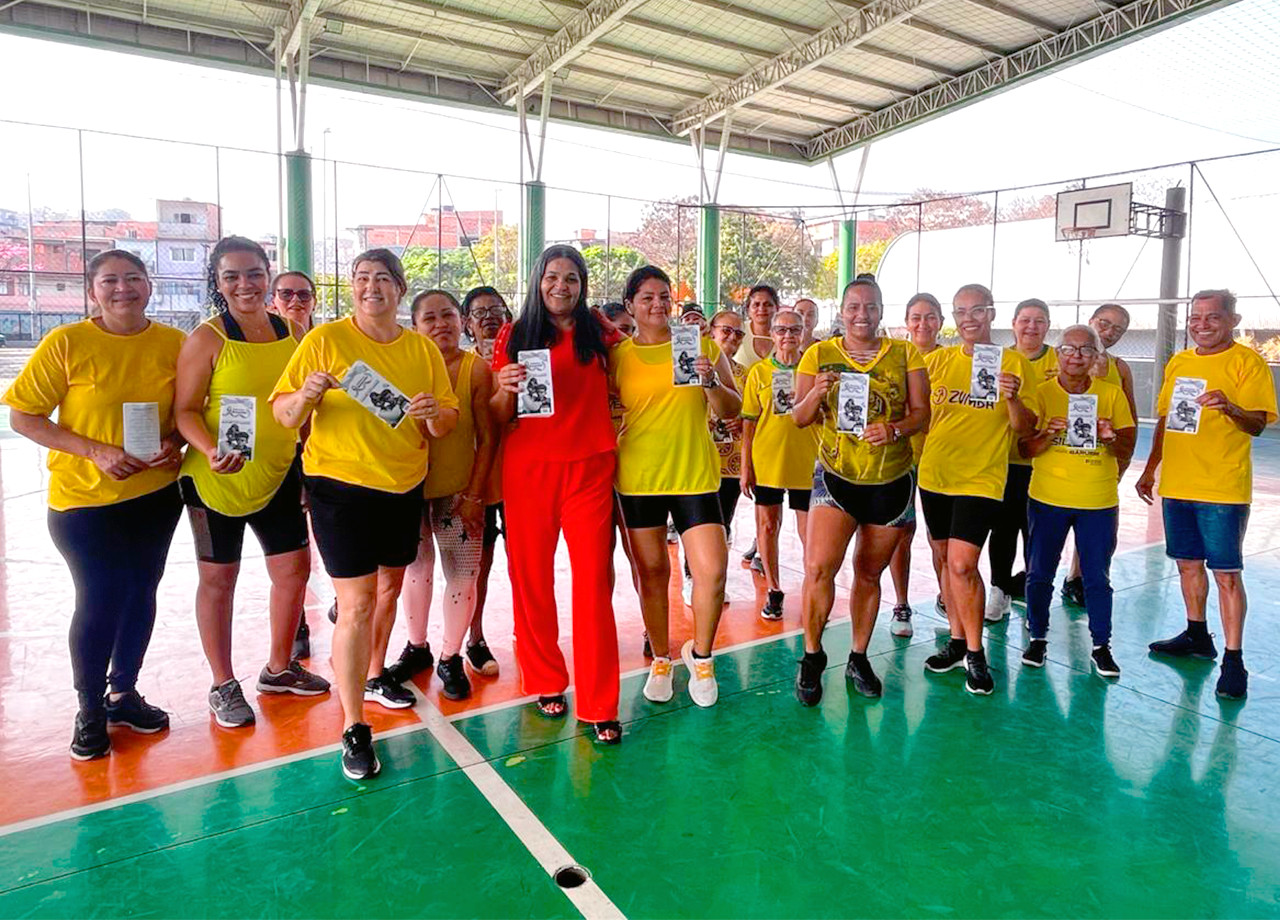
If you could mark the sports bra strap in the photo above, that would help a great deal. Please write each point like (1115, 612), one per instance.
(236, 334)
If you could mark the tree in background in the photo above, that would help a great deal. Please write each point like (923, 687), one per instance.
(826, 277)
(668, 236)
(607, 270)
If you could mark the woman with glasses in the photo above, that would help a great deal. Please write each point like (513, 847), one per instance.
(1076, 462)
(863, 484)
(963, 471)
(293, 296)
(777, 455)
(1030, 325)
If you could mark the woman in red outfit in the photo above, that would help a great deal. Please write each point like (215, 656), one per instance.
(557, 476)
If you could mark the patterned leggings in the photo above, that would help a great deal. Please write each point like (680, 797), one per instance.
(460, 558)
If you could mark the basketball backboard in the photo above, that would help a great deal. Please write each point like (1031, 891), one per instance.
(1087, 213)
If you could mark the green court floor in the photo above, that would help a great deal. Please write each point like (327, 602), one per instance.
(1060, 795)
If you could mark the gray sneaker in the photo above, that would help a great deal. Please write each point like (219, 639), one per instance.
(293, 679)
(227, 703)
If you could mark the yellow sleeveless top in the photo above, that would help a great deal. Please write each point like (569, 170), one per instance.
(452, 457)
(245, 369)
(1113, 373)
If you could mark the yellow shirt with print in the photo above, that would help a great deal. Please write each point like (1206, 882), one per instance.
(664, 445)
(1045, 366)
(87, 374)
(1078, 477)
(1216, 463)
(917, 439)
(348, 442)
(850, 458)
(728, 445)
(782, 454)
(967, 452)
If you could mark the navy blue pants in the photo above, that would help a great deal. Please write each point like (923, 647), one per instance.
(1095, 544)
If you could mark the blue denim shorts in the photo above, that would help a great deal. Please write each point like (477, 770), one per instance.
(1205, 532)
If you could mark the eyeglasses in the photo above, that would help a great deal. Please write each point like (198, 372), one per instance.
(972, 313)
(1071, 351)
(302, 296)
(495, 310)
(788, 330)
(729, 331)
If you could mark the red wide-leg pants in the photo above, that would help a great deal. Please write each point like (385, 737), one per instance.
(541, 499)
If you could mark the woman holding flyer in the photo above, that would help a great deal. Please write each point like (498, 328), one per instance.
(241, 470)
(668, 467)
(867, 395)
(777, 455)
(353, 378)
(558, 477)
(113, 502)
(977, 391)
(1086, 433)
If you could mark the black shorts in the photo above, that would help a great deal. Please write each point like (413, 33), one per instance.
(358, 529)
(797, 499)
(280, 526)
(958, 517)
(641, 511)
(492, 526)
(886, 504)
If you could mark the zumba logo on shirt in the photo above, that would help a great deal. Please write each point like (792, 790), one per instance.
(959, 398)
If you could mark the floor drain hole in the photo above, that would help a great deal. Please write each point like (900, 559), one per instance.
(571, 876)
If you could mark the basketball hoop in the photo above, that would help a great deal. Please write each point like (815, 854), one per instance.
(1078, 233)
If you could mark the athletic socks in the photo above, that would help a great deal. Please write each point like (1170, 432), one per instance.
(1197, 629)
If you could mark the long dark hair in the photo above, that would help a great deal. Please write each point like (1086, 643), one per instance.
(229, 244)
(534, 328)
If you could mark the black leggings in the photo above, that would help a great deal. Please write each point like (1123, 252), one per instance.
(1003, 549)
(730, 491)
(116, 554)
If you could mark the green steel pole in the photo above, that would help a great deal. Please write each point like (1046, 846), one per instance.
(297, 249)
(535, 227)
(709, 259)
(848, 255)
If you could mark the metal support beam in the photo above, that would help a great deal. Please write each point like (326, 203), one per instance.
(709, 258)
(848, 260)
(297, 250)
(848, 33)
(596, 19)
(1175, 200)
(301, 19)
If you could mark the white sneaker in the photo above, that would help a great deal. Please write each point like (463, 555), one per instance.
(686, 592)
(997, 606)
(703, 688)
(657, 689)
(900, 625)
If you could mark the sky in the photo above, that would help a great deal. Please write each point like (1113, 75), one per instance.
(1201, 89)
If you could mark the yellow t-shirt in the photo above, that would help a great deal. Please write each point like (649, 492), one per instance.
(781, 452)
(1215, 464)
(1077, 477)
(664, 446)
(728, 446)
(87, 374)
(917, 439)
(851, 458)
(1045, 367)
(454, 455)
(348, 442)
(967, 452)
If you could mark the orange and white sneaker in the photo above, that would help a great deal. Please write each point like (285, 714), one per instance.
(658, 689)
(703, 688)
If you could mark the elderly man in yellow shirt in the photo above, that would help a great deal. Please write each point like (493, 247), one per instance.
(1215, 399)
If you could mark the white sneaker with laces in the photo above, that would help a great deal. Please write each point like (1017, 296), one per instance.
(703, 688)
(657, 689)
(900, 625)
(997, 606)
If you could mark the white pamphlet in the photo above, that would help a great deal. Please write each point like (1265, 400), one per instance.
(237, 418)
(373, 391)
(1082, 421)
(784, 391)
(984, 387)
(537, 398)
(1184, 411)
(855, 390)
(686, 345)
(142, 430)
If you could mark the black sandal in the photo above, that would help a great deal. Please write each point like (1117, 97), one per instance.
(553, 707)
(601, 730)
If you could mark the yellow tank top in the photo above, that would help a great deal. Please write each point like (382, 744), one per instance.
(1113, 373)
(452, 457)
(245, 369)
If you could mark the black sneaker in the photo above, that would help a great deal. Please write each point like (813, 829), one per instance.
(358, 759)
(135, 712)
(1073, 591)
(977, 678)
(333, 611)
(301, 641)
(386, 692)
(1103, 663)
(1233, 682)
(454, 678)
(950, 658)
(481, 659)
(1185, 645)
(1018, 587)
(864, 678)
(809, 680)
(772, 609)
(90, 740)
(1033, 657)
(412, 661)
